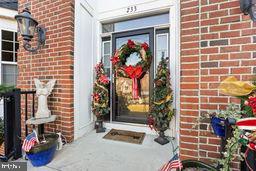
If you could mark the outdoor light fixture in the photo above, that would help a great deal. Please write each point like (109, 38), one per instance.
(27, 27)
(249, 7)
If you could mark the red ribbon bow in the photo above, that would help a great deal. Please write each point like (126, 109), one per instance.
(134, 73)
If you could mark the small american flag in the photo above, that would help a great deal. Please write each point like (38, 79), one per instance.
(174, 163)
(29, 141)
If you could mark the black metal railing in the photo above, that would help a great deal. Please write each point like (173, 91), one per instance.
(12, 120)
(12, 125)
(27, 107)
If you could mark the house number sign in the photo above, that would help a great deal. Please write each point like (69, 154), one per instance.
(131, 9)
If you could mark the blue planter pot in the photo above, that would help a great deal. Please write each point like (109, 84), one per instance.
(218, 125)
(42, 158)
(43, 154)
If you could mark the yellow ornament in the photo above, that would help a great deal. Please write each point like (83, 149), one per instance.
(232, 87)
(167, 98)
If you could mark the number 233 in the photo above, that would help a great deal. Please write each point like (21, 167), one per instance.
(131, 9)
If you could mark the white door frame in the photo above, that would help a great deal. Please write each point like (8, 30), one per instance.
(156, 7)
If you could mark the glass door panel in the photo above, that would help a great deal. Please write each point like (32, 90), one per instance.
(125, 108)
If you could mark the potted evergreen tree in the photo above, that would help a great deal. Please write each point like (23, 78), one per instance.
(161, 111)
(100, 103)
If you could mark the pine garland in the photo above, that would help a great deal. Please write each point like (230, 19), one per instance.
(100, 103)
(161, 111)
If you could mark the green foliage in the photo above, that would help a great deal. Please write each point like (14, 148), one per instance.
(4, 88)
(231, 152)
(161, 105)
(247, 109)
(232, 146)
(232, 111)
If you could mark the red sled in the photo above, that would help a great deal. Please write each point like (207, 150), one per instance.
(247, 124)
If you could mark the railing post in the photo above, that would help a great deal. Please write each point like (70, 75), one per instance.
(17, 125)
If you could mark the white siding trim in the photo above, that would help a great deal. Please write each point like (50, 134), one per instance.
(80, 130)
(175, 64)
(7, 13)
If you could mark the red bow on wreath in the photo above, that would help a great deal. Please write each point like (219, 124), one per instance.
(134, 72)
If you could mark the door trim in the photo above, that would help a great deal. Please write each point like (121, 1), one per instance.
(149, 31)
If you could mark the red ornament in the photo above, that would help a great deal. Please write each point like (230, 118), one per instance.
(98, 66)
(96, 97)
(151, 122)
(144, 46)
(131, 44)
(104, 79)
(134, 73)
(115, 59)
(252, 103)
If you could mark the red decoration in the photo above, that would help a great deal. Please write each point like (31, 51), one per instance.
(134, 73)
(96, 97)
(252, 103)
(115, 59)
(144, 46)
(151, 122)
(104, 79)
(131, 44)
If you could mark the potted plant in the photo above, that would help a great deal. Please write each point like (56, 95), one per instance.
(100, 102)
(161, 111)
(43, 153)
(218, 119)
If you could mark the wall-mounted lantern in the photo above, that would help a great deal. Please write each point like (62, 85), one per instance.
(249, 7)
(27, 27)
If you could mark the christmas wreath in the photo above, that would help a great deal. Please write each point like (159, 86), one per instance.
(134, 72)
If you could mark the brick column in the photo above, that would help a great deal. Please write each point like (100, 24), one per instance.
(225, 47)
(189, 138)
(54, 61)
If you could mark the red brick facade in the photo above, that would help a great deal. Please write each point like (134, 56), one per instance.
(54, 61)
(217, 40)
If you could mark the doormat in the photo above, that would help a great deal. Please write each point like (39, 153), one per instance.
(126, 136)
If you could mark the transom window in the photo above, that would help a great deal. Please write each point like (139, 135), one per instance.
(9, 50)
(136, 23)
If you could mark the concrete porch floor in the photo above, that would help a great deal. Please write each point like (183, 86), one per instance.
(93, 153)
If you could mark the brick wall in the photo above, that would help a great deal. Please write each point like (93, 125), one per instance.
(54, 61)
(217, 40)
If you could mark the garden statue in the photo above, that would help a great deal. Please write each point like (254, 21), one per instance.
(42, 92)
